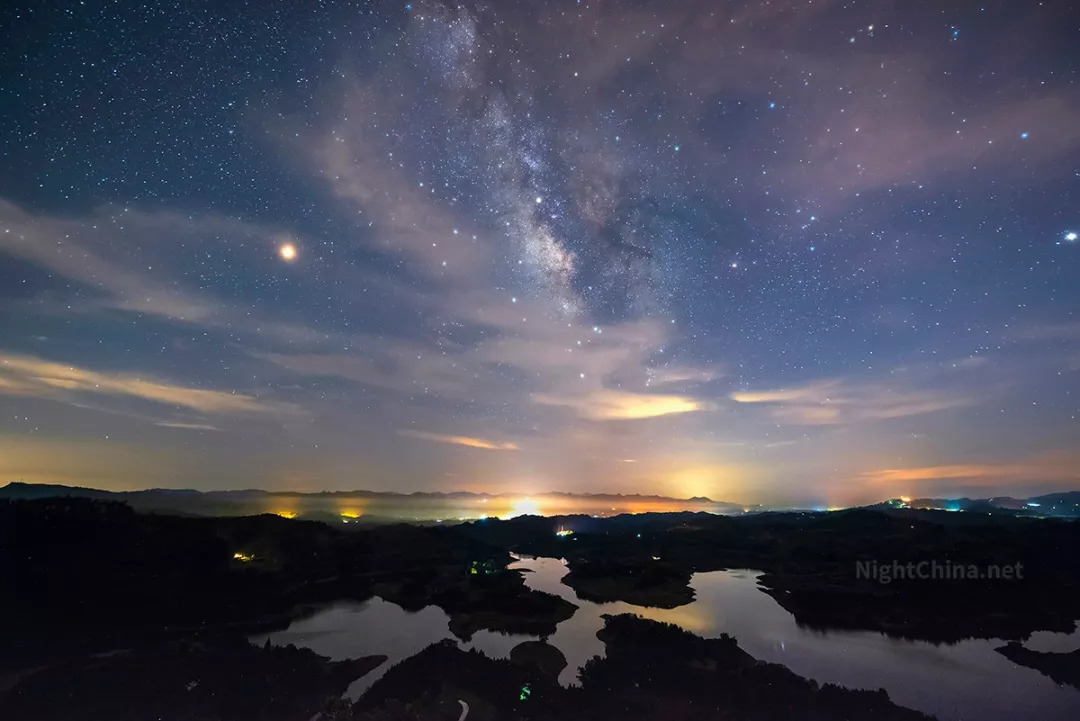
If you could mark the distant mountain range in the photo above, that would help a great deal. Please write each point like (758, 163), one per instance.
(368, 506)
(381, 506)
(1065, 504)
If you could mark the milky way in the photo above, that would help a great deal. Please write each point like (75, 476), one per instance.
(794, 252)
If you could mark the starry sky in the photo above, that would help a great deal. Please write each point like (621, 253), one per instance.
(766, 252)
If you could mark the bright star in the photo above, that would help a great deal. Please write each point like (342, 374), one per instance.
(287, 252)
(1024, 135)
(1071, 236)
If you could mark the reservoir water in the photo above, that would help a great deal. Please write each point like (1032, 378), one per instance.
(967, 681)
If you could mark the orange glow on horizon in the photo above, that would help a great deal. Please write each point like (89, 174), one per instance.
(524, 507)
(713, 481)
(351, 513)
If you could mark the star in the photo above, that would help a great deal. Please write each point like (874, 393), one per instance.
(426, 216)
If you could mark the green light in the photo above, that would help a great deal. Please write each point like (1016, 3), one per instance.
(525, 693)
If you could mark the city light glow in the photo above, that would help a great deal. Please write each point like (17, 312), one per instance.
(523, 507)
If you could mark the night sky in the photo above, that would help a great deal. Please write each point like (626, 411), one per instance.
(760, 251)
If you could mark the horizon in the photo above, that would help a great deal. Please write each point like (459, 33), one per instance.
(538, 359)
(819, 254)
(944, 491)
(507, 496)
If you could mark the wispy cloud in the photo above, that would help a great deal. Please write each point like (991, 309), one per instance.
(462, 441)
(681, 376)
(608, 405)
(834, 401)
(1050, 467)
(393, 364)
(138, 280)
(51, 243)
(187, 426)
(1048, 332)
(525, 358)
(811, 393)
(30, 376)
(876, 139)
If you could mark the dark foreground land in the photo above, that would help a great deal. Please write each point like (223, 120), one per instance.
(181, 680)
(652, 671)
(1063, 668)
(107, 612)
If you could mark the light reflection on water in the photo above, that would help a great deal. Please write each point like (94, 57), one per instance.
(349, 629)
(968, 680)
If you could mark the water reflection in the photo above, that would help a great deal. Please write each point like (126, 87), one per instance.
(968, 680)
(348, 629)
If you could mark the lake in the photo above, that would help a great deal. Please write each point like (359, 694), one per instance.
(963, 681)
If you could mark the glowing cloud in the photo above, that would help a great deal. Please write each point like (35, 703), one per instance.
(608, 405)
(1051, 467)
(929, 473)
(462, 441)
(187, 426)
(814, 392)
(834, 401)
(30, 376)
